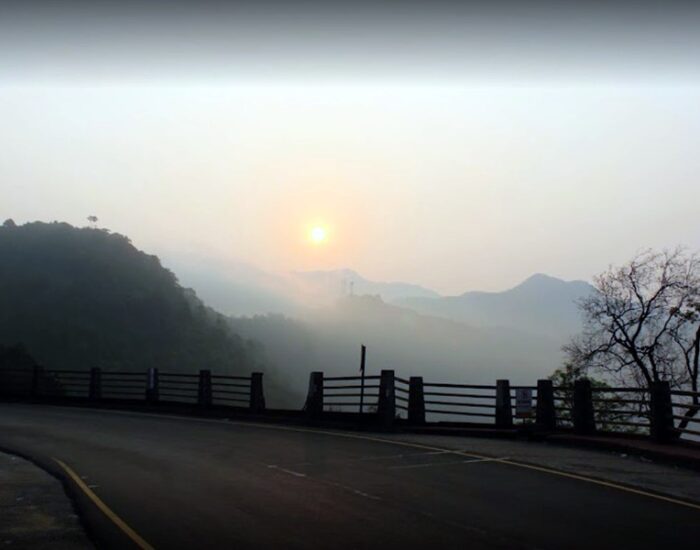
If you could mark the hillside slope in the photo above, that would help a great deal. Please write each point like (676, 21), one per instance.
(328, 339)
(77, 298)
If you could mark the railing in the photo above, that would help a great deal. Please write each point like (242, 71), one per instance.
(123, 385)
(345, 393)
(685, 409)
(234, 391)
(72, 383)
(202, 389)
(178, 387)
(625, 410)
(369, 397)
(580, 408)
(402, 388)
(619, 410)
(563, 407)
(412, 400)
(457, 401)
(657, 412)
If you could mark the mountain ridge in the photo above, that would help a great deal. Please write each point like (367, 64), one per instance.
(541, 304)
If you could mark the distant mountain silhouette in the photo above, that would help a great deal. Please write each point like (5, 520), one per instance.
(328, 339)
(343, 281)
(539, 305)
(237, 288)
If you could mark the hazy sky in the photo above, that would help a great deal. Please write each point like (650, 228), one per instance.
(455, 148)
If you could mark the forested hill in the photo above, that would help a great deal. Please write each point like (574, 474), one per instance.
(82, 297)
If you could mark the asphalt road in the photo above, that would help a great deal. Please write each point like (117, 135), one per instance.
(189, 483)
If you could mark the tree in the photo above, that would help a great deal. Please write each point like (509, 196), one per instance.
(78, 298)
(608, 412)
(642, 325)
(93, 220)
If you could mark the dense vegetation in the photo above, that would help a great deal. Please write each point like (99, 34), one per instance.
(82, 297)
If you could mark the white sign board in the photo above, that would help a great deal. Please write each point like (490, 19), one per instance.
(523, 402)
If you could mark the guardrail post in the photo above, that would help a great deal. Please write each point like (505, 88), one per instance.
(583, 412)
(257, 397)
(152, 386)
(386, 407)
(661, 409)
(95, 392)
(416, 400)
(545, 414)
(504, 410)
(204, 388)
(314, 398)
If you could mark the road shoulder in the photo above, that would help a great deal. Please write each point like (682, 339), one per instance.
(616, 467)
(35, 511)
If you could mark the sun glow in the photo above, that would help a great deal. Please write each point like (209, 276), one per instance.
(318, 234)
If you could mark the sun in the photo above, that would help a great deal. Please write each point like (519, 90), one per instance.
(318, 234)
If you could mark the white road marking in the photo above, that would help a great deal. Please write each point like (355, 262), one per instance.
(290, 472)
(448, 463)
(353, 491)
(396, 442)
(325, 482)
(370, 458)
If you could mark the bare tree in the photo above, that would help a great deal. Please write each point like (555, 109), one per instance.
(686, 336)
(642, 324)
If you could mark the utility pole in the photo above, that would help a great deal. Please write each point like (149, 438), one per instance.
(362, 382)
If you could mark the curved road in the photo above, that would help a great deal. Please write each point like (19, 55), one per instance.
(194, 483)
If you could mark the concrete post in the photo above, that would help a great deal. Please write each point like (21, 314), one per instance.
(504, 410)
(416, 401)
(152, 386)
(546, 418)
(386, 408)
(583, 412)
(204, 388)
(95, 393)
(257, 397)
(661, 412)
(314, 398)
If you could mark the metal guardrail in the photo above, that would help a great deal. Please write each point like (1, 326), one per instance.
(460, 400)
(581, 408)
(402, 388)
(350, 393)
(685, 406)
(122, 385)
(201, 389)
(657, 412)
(618, 410)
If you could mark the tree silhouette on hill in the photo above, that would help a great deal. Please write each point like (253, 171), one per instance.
(83, 297)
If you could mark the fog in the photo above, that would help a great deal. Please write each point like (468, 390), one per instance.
(452, 148)
(474, 338)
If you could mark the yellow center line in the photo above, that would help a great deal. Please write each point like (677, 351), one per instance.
(119, 522)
